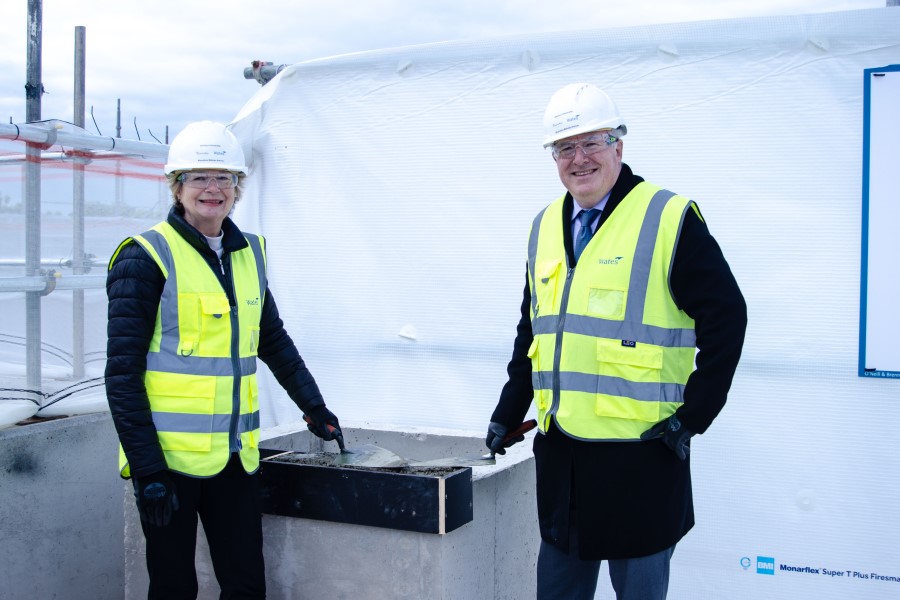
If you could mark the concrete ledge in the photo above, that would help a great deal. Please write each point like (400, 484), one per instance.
(60, 510)
(491, 558)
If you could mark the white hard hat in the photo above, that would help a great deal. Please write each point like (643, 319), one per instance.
(580, 108)
(205, 145)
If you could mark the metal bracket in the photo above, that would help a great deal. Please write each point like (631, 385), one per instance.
(52, 276)
(80, 157)
(51, 140)
(34, 91)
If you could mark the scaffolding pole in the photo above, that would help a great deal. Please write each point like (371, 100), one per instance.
(33, 90)
(78, 212)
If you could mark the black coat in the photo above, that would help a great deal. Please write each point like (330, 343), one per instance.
(634, 498)
(134, 287)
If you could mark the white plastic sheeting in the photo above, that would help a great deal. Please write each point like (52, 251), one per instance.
(396, 189)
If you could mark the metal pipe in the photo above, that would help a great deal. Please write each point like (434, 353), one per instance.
(46, 136)
(78, 211)
(33, 90)
(67, 156)
(62, 263)
(44, 284)
(120, 187)
(21, 159)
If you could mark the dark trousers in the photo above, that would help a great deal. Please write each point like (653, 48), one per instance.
(228, 506)
(564, 576)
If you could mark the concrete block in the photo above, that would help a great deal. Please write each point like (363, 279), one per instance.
(60, 510)
(492, 557)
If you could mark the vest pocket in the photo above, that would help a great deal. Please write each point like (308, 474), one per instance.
(609, 304)
(215, 325)
(204, 324)
(629, 386)
(185, 442)
(188, 324)
(182, 407)
(249, 435)
(541, 393)
(547, 276)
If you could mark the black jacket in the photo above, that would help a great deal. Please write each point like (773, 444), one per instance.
(134, 286)
(634, 498)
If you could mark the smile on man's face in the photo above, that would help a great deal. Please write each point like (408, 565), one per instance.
(589, 177)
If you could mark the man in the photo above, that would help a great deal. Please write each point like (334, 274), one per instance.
(189, 313)
(624, 283)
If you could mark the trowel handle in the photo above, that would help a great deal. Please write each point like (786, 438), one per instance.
(331, 429)
(521, 430)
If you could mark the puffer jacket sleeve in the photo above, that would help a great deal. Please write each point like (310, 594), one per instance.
(278, 351)
(133, 286)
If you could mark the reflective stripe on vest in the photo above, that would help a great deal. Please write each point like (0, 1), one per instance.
(611, 351)
(201, 365)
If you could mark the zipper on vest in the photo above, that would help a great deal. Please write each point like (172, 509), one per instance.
(236, 380)
(233, 433)
(557, 350)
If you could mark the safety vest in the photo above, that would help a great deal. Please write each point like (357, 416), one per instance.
(611, 352)
(201, 365)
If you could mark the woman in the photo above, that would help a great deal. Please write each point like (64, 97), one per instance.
(189, 312)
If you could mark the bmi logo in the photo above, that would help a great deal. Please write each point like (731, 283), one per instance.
(765, 565)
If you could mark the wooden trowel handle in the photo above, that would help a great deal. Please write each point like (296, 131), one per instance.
(522, 429)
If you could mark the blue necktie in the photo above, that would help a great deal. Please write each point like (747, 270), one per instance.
(584, 235)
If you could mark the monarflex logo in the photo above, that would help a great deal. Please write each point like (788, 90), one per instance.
(765, 565)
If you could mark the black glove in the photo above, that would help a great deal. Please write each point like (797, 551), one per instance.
(496, 438)
(323, 423)
(156, 498)
(675, 435)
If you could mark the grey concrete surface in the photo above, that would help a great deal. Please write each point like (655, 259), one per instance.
(60, 510)
(69, 528)
(491, 558)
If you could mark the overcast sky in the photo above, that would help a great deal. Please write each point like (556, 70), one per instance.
(172, 62)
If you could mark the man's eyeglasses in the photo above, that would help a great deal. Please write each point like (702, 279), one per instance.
(589, 145)
(201, 181)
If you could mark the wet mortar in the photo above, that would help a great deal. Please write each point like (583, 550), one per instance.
(327, 459)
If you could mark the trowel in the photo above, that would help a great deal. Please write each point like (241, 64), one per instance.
(367, 455)
(477, 461)
(370, 455)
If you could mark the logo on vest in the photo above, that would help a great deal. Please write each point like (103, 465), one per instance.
(253, 302)
(610, 261)
(629, 343)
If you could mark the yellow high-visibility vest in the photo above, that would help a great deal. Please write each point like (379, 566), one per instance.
(612, 351)
(201, 366)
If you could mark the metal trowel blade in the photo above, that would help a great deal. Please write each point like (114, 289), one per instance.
(474, 461)
(369, 455)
